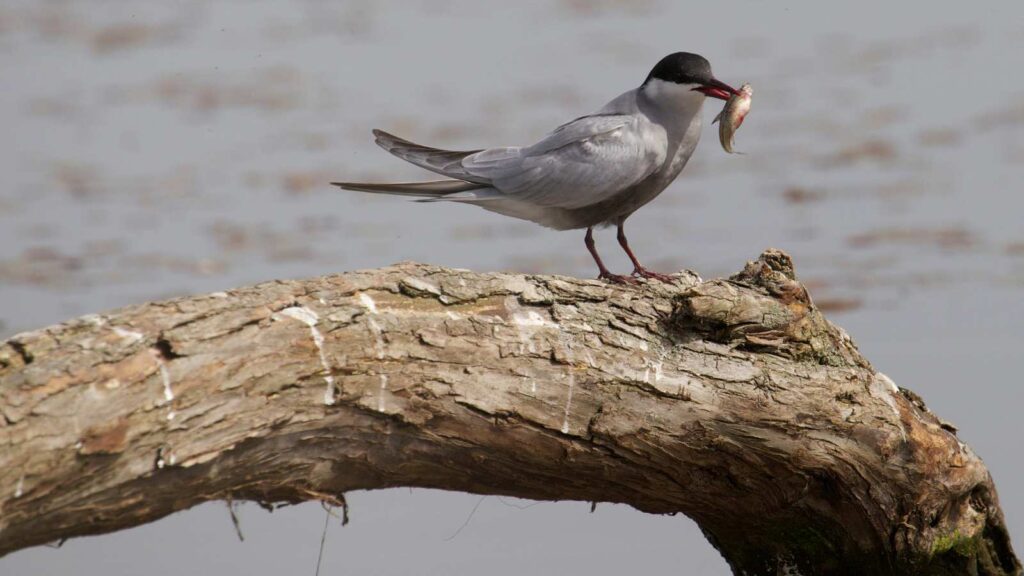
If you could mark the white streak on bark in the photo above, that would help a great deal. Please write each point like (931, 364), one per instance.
(532, 318)
(367, 302)
(309, 318)
(94, 319)
(130, 335)
(165, 379)
(524, 338)
(383, 390)
(528, 321)
(572, 382)
(421, 285)
(883, 388)
(885, 379)
(378, 344)
(378, 338)
(568, 402)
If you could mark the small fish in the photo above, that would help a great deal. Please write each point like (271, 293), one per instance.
(732, 116)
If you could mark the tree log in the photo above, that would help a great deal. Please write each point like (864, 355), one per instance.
(731, 401)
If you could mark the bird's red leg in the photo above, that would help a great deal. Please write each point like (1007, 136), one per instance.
(604, 274)
(639, 270)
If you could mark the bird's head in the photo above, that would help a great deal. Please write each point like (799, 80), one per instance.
(681, 74)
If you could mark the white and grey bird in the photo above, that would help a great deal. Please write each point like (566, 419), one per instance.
(593, 171)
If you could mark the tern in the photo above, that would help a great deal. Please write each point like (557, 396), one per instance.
(595, 170)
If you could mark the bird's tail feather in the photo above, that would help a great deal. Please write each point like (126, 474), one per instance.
(445, 162)
(463, 186)
(436, 190)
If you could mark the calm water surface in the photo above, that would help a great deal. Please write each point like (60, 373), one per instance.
(156, 149)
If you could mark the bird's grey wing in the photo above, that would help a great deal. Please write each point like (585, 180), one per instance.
(579, 164)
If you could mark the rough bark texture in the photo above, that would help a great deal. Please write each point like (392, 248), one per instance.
(731, 401)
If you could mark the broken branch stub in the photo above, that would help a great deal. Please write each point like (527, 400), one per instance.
(733, 401)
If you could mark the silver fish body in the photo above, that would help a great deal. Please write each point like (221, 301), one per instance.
(732, 115)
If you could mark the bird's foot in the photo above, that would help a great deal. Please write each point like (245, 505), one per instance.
(645, 273)
(617, 278)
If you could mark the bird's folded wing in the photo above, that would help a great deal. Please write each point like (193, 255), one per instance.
(580, 164)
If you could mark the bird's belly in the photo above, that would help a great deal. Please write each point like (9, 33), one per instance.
(617, 208)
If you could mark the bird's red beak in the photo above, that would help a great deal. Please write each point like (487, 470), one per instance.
(717, 89)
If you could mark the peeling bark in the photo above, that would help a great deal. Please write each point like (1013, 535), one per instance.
(731, 401)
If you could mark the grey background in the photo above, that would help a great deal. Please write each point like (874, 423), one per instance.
(154, 149)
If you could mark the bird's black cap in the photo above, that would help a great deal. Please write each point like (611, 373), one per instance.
(682, 68)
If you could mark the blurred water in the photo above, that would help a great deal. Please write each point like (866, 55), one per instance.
(154, 149)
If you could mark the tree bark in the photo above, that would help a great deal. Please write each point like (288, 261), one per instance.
(731, 401)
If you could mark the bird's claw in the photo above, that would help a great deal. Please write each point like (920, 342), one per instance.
(617, 278)
(645, 273)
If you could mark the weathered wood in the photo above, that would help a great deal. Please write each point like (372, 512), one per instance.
(731, 401)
